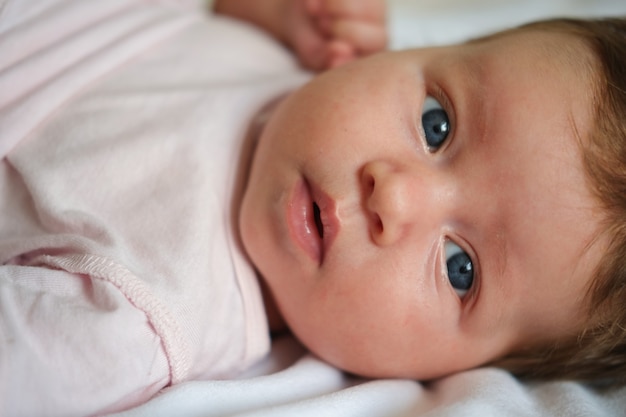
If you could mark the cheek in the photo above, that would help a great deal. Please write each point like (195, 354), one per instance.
(377, 291)
(354, 310)
(251, 230)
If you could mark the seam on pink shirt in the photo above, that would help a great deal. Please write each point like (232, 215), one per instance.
(175, 344)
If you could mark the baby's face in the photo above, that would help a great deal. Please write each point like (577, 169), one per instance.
(423, 212)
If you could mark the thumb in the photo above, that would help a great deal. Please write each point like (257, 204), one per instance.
(306, 36)
(310, 47)
(339, 53)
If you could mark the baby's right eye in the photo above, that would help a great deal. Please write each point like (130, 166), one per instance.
(435, 123)
(460, 268)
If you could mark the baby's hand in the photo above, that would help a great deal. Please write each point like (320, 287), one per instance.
(328, 33)
(322, 33)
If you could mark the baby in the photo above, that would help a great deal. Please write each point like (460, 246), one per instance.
(409, 214)
(423, 212)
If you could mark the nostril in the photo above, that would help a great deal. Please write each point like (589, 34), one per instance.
(377, 223)
(370, 183)
(388, 200)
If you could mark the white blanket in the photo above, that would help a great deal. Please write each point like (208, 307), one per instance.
(310, 387)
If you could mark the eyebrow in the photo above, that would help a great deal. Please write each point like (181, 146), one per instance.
(475, 70)
(501, 253)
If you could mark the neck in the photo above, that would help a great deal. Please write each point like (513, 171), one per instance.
(275, 320)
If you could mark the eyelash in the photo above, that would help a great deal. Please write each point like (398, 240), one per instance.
(439, 94)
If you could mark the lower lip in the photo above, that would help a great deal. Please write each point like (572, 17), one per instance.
(301, 221)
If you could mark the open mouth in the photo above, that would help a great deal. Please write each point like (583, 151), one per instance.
(318, 220)
(324, 216)
(312, 220)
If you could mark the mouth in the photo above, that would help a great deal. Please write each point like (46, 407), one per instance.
(312, 220)
(318, 220)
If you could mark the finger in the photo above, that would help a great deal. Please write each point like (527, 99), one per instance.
(313, 7)
(304, 37)
(324, 25)
(367, 10)
(312, 52)
(365, 37)
(340, 53)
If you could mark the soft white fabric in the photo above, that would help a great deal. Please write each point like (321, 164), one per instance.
(122, 124)
(310, 387)
(416, 23)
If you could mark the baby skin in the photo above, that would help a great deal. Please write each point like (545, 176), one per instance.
(423, 212)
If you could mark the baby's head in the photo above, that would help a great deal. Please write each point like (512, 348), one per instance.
(598, 351)
(422, 212)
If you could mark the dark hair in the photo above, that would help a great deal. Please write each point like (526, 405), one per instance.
(598, 352)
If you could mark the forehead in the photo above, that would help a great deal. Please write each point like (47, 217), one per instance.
(523, 110)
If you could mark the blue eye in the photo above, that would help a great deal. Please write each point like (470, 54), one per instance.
(435, 123)
(460, 268)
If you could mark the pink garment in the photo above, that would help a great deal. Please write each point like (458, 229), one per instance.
(121, 124)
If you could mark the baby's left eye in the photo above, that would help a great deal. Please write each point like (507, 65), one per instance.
(435, 123)
(460, 268)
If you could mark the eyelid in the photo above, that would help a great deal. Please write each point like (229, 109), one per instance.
(467, 248)
(438, 93)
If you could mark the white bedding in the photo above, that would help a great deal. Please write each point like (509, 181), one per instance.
(436, 22)
(291, 382)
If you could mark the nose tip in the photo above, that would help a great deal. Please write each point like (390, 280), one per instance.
(386, 202)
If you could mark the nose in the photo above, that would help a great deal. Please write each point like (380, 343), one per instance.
(398, 200)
